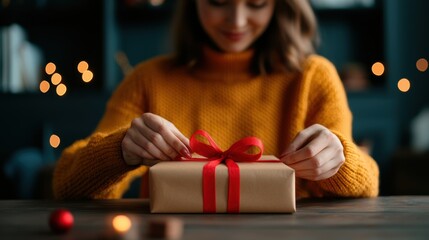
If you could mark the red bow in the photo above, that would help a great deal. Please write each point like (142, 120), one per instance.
(236, 153)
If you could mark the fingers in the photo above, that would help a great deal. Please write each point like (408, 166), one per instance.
(330, 168)
(133, 153)
(151, 137)
(313, 162)
(322, 166)
(315, 154)
(165, 136)
(147, 148)
(318, 140)
(181, 137)
(302, 138)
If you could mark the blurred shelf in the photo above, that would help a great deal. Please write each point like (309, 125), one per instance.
(72, 117)
(354, 36)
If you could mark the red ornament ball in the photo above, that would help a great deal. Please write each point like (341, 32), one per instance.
(61, 220)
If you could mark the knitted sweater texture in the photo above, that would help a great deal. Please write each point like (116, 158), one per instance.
(222, 97)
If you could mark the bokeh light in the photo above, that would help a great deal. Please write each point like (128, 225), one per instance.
(377, 68)
(121, 223)
(56, 79)
(404, 85)
(54, 141)
(50, 68)
(156, 3)
(82, 66)
(87, 76)
(422, 64)
(61, 89)
(44, 86)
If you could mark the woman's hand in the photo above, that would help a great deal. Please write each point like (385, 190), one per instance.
(152, 138)
(315, 153)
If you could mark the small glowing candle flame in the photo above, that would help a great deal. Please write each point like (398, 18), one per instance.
(121, 223)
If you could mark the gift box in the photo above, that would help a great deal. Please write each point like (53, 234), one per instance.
(265, 186)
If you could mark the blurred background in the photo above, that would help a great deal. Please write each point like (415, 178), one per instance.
(61, 59)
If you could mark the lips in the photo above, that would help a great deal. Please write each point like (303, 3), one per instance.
(233, 36)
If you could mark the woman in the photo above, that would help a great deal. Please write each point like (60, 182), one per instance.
(241, 68)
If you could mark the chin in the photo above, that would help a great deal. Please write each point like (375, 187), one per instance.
(235, 49)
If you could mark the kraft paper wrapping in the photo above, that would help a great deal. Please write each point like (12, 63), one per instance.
(176, 187)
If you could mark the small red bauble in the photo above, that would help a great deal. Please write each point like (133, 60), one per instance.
(61, 220)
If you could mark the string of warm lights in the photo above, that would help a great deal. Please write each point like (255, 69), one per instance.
(83, 68)
(56, 78)
(378, 69)
(61, 88)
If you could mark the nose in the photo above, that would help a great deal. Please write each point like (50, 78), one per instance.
(237, 16)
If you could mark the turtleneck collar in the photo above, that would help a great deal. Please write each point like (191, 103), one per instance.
(223, 66)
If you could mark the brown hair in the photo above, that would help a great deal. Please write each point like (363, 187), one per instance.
(290, 37)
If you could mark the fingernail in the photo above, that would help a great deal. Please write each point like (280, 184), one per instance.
(185, 153)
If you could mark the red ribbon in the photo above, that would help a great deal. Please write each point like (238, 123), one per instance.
(236, 153)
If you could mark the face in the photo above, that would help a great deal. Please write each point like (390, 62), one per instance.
(234, 25)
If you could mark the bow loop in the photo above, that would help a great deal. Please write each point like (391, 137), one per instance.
(239, 151)
(210, 150)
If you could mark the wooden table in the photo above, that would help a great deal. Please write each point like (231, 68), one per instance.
(396, 217)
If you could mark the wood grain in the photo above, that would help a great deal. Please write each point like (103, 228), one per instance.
(393, 217)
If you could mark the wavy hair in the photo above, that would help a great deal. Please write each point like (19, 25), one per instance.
(290, 37)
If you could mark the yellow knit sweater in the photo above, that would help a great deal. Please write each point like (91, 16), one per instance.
(223, 98)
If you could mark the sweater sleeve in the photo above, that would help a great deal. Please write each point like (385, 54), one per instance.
(93, 168)
(328, 106)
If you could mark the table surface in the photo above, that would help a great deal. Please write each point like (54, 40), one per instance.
(393, 217)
